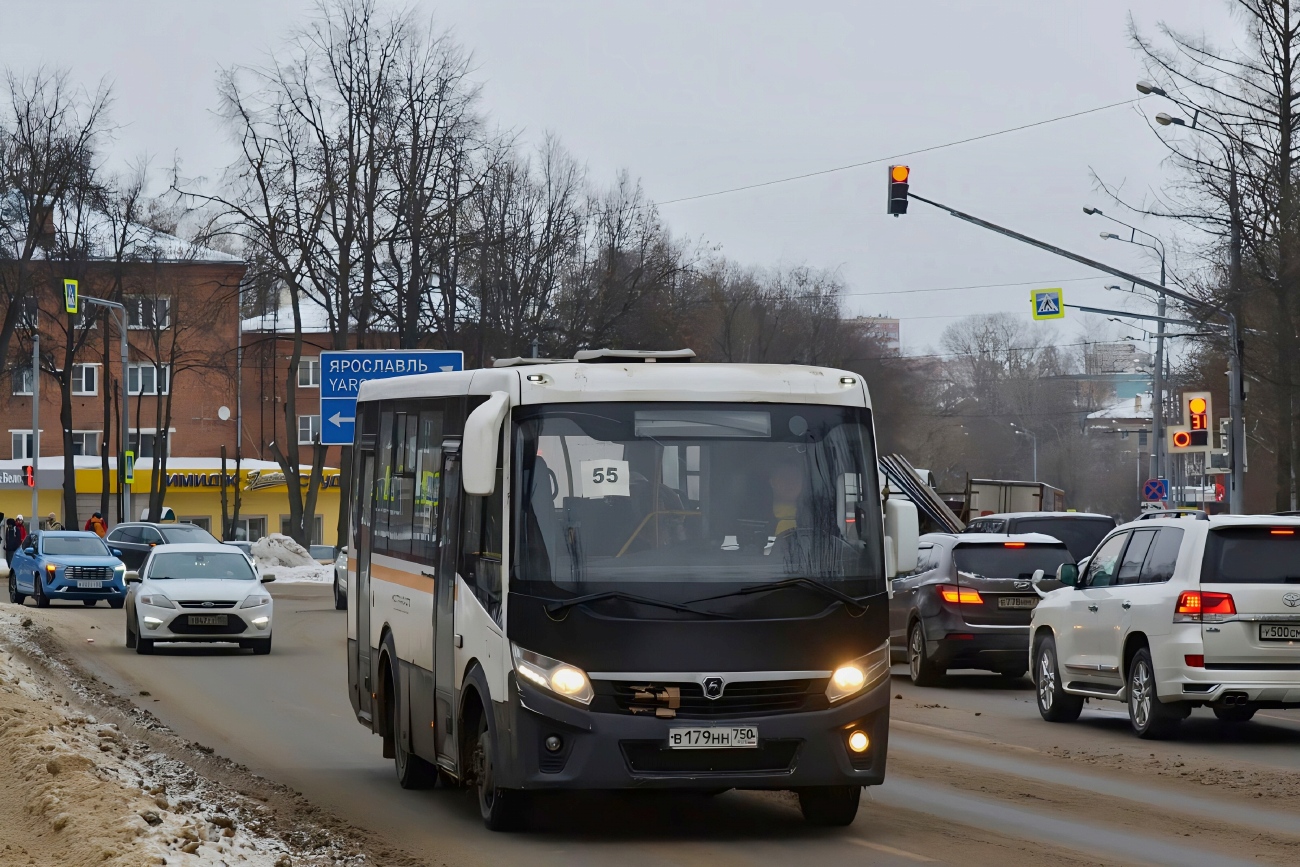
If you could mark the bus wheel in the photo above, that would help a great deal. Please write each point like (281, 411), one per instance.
(502, 809)
(413, 772)
(830, 805)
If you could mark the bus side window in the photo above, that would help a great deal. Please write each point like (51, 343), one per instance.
(481, 547)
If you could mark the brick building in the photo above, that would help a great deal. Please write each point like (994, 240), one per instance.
(182, 307)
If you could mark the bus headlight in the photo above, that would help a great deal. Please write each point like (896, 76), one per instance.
(853, 677)
(551, 674)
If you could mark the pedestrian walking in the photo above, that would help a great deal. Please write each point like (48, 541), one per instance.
(97, 525)
(15, 533)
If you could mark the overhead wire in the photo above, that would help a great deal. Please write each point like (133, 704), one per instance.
(898, 156)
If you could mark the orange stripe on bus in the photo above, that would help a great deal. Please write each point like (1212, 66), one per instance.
(413, 580)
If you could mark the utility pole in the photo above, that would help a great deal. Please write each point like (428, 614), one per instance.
(1236, 499)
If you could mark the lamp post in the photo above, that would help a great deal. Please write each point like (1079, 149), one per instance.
(1236, 386)
(1157, 376)
(1025, 433)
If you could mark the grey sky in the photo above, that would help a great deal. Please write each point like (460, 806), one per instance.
(699, 96)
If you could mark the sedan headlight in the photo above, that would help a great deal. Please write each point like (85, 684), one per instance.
(255, 600)
(551, 674)
(157, 600)
(853, 677)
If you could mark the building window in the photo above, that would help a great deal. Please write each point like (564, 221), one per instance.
(21, 441)
(1142, 439)
(250, 529)
(308, 429)
(309, 373)
(85, 379)
(22, 380)
(147, 379)
(85, 443)
(146, 442)
(317, 529)
(86, 317)
(201, 521)
(148, 313)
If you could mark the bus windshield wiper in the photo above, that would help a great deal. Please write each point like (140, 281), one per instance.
(811, 583)
(559, 606)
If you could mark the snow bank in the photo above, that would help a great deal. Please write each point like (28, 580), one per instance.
(280, 550)
(289, 562)
(78, 791)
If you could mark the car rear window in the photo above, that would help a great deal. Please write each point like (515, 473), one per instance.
(1000, 561)
(1080, 535)
(1252, 555)
(188, 534)
(56, 546)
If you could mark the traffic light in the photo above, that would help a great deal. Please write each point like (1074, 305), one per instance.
(1193, 435)
(29, 475)
(898, 189)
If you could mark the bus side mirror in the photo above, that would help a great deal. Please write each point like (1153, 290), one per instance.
(478, 458)
(903, 530)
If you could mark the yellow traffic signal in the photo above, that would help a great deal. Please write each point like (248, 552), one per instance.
(898, 189)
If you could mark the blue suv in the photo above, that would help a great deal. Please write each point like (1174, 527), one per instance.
(58, 564)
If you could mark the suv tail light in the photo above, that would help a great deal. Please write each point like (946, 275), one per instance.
(962, 595)
(1195, 606)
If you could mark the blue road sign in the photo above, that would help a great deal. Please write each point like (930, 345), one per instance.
(341, 375)
(1156, 490)
(1048, 303)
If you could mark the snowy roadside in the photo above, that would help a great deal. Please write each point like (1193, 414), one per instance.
(289, 562)
(77, 787)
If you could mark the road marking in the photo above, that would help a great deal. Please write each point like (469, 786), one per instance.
(890, 850)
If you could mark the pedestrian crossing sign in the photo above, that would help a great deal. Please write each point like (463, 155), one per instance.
(1047, 304)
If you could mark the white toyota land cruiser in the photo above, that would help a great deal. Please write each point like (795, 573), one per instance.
(1174, 612)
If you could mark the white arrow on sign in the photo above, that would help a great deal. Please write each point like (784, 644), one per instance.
(338, 418)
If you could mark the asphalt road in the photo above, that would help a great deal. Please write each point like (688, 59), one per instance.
(975, 776)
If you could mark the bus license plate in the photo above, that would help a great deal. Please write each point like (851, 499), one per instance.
(1279, 632)
(207, 620)
(713, 738)
(90, 585)
(1017, 601)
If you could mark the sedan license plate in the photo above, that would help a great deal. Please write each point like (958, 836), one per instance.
(713, 737)
(1279, 632)
(207, 620)
(90, 585)
(1017, 601)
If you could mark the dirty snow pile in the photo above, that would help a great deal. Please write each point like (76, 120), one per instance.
(76, 791)
(289, 562)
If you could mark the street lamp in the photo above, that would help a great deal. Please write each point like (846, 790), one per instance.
(1157, 377)
(1236, 387)
(1025, 433)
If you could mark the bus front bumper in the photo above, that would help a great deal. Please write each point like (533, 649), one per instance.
(623, 751)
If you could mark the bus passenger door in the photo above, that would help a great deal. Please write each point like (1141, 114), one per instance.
(361, 604)
(444, 643)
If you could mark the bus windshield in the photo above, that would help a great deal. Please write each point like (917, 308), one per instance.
(619, 494)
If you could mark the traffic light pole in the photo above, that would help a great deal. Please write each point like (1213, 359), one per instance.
(1236, 499)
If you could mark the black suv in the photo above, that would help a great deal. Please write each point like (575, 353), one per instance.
(1080, 531)
(968, 602)
(136, 540)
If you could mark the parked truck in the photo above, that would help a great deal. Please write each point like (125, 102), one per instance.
(993, 496)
